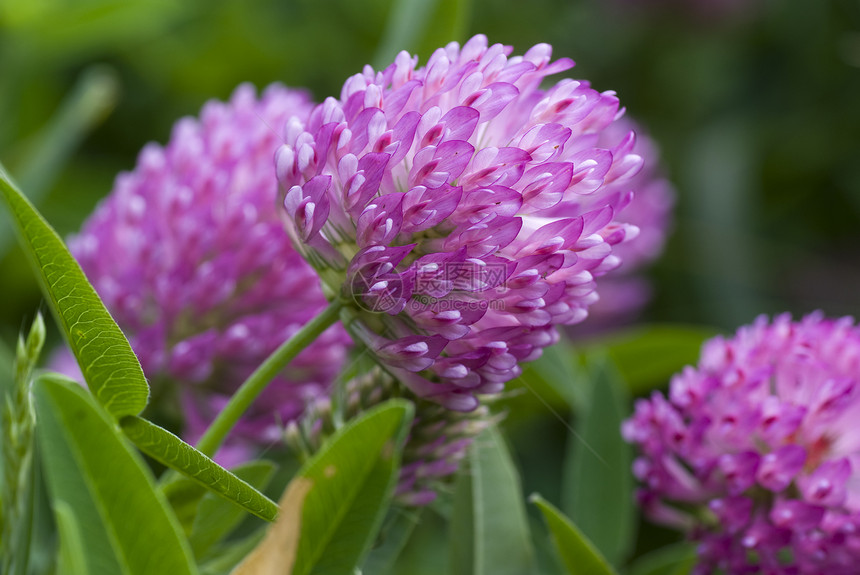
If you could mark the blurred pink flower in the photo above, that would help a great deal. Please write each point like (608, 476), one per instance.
(756, 453)
(189, 255)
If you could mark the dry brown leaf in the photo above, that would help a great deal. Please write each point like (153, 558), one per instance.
(276, 553)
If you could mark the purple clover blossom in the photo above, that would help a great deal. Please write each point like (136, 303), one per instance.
(465, 211)
(189, 255)
(761, 441)
(624, 291)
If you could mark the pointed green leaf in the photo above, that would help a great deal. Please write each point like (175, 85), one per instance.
(557, 374)
(72, 559)
(461, 540)
(225, 558)
(393, 538)
(367, 450)
(578, 554)
(334, 507)
(217, 517)
(184, 496)
(170, 450)
(125, 524)
(43, 552)
(107, 361)
(597, 490)
(501, 531)
(676, 559)
(421, 26)
(448, 21)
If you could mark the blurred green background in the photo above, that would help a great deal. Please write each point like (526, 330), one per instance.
(755, 106)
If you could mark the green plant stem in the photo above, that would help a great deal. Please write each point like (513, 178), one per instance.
(257, 381)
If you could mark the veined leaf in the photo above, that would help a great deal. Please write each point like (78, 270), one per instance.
(170, 450)
(332, 510)
(107, 361)
(277, 552)
(578, 554)
(500, 530)
(125, 524)
(216, 518)
(597, 489)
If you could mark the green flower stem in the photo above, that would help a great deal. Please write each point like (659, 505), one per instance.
(257, 381)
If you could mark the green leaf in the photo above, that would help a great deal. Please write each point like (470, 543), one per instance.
(578, 554)
(225, 558)
(598, 484)
(72, 560)
(216, 518)
(170, 450)
(461, 541)
(557, 373)
(107, 361)
(392, 540)
(672, 560)
(332, 510)
(448, 21)
(648, 356)
(184, 496)
(500, 530)
(124, 522)
(43, 548)
(421, 26)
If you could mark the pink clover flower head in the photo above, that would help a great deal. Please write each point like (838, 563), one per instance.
(462, 209)
(189, 255)
(762, 438)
